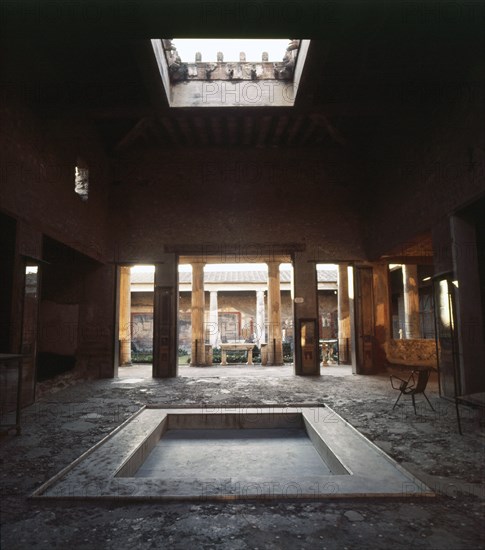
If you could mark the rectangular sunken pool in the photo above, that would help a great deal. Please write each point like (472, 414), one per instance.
(270, 452)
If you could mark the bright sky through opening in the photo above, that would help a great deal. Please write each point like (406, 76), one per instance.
(230, 47)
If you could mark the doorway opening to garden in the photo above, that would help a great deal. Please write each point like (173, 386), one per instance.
(235, 314)
(229, 315)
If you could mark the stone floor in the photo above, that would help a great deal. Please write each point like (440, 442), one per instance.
(62, 425)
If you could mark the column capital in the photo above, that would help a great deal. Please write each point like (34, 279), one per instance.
(273, 268)
(197, 266)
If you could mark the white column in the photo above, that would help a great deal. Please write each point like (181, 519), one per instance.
(260, 329)
(214, 336)
(411, 301)
(343, 314)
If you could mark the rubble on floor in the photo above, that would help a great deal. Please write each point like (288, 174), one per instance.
(62, 425)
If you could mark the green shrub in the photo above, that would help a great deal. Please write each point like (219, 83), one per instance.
(287, 353)
(141, 357)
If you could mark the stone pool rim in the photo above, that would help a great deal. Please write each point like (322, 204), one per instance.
(71, 482)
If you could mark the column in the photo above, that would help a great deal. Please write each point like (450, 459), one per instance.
(343, 314)
(198, 306)
(411, 301)
(260, 318)
(382, 314)
(361, 294)
(305, 312)
(275, 343)
(165, 313)
(125, 316)
(351, 272)
(96, 321)
(466, 254)
(214, 336)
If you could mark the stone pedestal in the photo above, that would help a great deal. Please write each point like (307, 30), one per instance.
(208, 355)
(264, 354)
(246, 347)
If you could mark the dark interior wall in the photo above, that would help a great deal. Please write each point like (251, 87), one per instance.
(96, 344)
(474, 215)
(28, 249)
(237, 197)
(62, 292)
(76, 313)
(63, 271)
(467, 236)
(429, 159)
(40, 150)
(39, 155)
(480, 232)
(7, 255)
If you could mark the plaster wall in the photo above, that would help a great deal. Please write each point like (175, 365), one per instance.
(430, 163)
(247, 199)
(39, 155)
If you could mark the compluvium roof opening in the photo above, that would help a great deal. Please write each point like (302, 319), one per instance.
(209, 50)
(230, 72)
